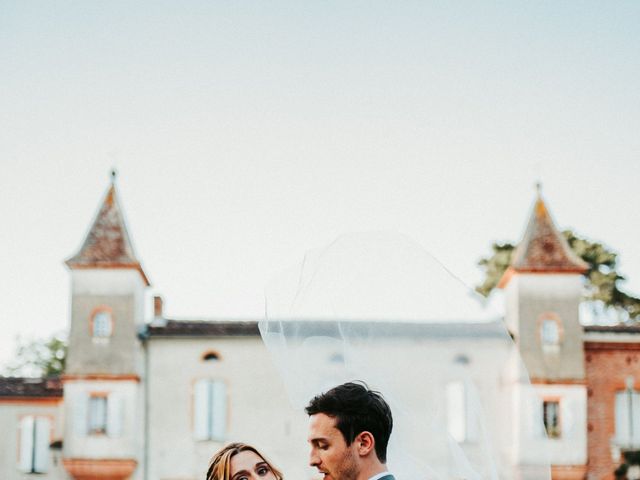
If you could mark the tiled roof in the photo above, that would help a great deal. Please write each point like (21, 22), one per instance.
(30, 387)
(197, 328)
(107, 244)
(543, 248)
(612, 328)
(203, 328)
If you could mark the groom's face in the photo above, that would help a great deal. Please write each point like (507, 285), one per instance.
(330, 453)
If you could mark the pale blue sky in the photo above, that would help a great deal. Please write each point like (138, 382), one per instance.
(246, 133)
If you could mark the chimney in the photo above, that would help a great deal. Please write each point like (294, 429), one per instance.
(157, 306)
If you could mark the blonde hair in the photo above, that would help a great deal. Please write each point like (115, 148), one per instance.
(220, 463)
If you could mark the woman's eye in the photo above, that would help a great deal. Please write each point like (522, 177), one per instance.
(262, 471)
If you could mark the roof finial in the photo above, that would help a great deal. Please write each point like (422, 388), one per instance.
(114, 174)
(539, 188)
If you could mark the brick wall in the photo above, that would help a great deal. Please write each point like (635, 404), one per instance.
(607, 366)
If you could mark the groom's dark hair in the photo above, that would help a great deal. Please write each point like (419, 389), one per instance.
(356, 409)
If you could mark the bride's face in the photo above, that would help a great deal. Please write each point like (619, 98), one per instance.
(248, 465)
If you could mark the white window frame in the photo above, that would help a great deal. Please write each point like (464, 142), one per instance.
(624, 422)
(102, 324)
(35, 437)
(550, 332)
(114, 412)
(210, 410)
(556, 433)
(461, 414)
(98, 414)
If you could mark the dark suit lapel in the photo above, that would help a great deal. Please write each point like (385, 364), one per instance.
(387, 477)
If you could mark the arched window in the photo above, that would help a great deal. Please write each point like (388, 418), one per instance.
(210, 356)
(102, 323)
(550, 332)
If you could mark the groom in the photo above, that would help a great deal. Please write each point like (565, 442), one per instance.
(349, 429)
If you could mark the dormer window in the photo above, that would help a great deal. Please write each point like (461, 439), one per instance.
(102, 324)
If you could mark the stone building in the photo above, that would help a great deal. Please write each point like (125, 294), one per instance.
(152, 399)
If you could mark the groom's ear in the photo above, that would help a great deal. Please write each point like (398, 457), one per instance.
(365, 443)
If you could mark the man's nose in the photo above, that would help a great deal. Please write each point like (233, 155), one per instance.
(314, 460)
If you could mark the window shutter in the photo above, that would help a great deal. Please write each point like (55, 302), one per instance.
(456, 410)
(635, 435)
(533, 413)
(26, 444)
(472, 411)
(43, 434)
(218, 410)
(115, 414)
(80, 413)
(201, 410)
(622, 417)
(568, 418)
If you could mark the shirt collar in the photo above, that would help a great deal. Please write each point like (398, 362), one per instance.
(379, 475)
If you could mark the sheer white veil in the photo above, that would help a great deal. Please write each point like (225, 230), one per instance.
(377, 307)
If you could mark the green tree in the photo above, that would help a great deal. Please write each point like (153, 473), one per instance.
(603, 280)
(38, 357)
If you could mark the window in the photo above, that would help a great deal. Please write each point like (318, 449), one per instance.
(461, 421)
(551, 417)
(35, 433)
(210, 410)
(550, 332)
(102, 324)
(211, 356)
(628, 418)
(97, 414)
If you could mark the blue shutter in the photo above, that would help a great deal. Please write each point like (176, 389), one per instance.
(218, 410)
(201, 410)
(79, 410)
(26, 444)
(41, 450)
(115, 413)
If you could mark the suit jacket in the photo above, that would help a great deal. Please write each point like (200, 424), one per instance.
(387, 477)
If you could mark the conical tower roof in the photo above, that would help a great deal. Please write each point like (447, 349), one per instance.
(543, 249)
(107, 244)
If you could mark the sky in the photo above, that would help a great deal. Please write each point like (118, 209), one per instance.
(246, 133)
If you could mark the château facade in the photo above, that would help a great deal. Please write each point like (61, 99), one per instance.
(153, 399)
